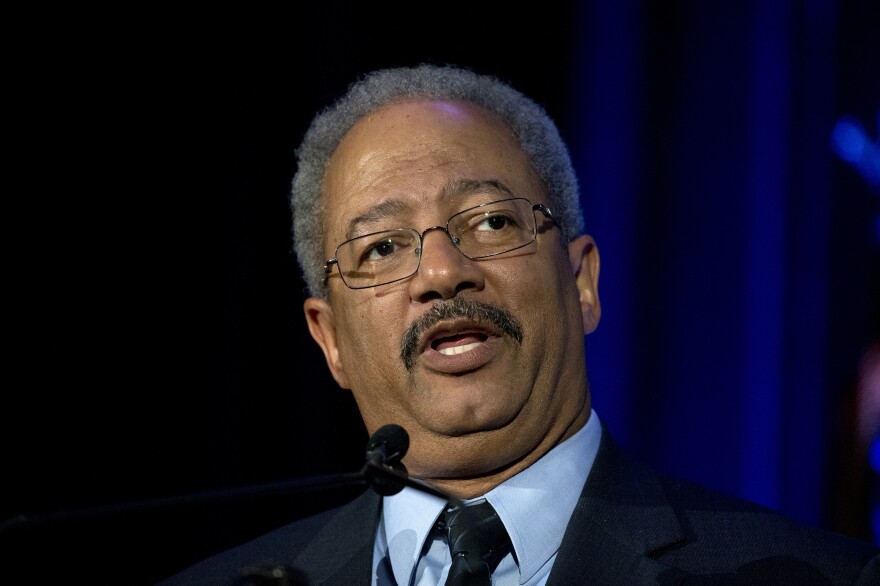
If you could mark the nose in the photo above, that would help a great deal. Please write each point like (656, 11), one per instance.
(443, 270)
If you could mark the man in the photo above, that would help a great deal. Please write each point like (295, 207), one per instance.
(438, 227)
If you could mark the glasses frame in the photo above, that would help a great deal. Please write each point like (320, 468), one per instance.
(537, 207)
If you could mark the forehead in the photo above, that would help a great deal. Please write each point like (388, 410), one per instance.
(405, 155)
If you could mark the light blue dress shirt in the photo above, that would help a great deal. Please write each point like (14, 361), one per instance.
(535, 506)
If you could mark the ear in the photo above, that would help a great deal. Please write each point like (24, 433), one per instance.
(584, 258)
(322, 327)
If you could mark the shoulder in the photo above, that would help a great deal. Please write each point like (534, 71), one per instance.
(292, 548)
(688, 530)
(731, 537)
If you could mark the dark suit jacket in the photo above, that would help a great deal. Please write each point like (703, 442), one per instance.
(631, 526)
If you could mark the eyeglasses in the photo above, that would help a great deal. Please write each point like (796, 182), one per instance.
(482, 231)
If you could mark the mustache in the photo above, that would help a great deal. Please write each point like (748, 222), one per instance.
(484, 313)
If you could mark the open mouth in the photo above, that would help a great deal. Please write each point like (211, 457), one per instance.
(459, 343)
(459, 348)
(458, 334)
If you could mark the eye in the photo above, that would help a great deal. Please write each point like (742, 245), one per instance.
(380, 249)
(493, 222)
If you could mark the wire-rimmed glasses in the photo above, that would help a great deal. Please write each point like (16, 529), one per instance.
(481, 231)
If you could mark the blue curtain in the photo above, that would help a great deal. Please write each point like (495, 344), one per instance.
(701, 132)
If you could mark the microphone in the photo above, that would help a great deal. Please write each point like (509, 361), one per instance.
(384, 471)
(388, 446)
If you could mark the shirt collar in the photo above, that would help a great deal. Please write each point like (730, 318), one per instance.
(408, 518)
(547, 490)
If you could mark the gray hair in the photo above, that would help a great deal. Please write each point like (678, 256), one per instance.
(535, 130)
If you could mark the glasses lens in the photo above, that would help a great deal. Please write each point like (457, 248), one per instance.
(376, 259)
(494, 228)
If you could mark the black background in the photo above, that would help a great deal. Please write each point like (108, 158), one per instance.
(158, 346)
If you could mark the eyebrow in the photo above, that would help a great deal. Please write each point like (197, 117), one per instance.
(380, 211)
(471, 186)
(453, 188)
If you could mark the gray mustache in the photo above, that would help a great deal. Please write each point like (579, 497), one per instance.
(442, 310)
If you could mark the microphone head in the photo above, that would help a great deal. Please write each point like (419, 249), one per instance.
(384, 471)
(391, 441)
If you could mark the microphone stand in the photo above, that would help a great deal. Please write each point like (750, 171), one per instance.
(383, 471)
(397, 480)
(286, 487)
(383, 478)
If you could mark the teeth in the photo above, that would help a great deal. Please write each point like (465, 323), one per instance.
(452, 350)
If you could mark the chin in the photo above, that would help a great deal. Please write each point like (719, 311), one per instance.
(474, 423)
(467, 449)
(474, 407)
(461, 463)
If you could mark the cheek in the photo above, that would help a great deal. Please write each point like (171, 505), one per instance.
(370, 343)
(370, 354)
(541, 280)
(546, 294)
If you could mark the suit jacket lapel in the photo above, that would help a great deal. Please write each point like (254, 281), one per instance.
(621, 518)
(342, 551)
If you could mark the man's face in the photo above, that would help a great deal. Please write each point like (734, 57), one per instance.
(496, 402)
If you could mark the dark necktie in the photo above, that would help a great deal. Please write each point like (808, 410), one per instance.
(477, 541)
